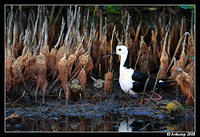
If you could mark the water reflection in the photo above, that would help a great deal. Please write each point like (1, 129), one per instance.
(125, 126)
(108, 122)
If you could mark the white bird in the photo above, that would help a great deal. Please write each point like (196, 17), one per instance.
(130, 80)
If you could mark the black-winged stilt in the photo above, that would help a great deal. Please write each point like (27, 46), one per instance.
(132, 81)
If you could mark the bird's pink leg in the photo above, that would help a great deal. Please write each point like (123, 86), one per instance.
(159, 96)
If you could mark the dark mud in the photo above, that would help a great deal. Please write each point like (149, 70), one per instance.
(97, 113)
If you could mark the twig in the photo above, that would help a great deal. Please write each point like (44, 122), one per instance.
(10, 30)
(51, 14)
(76, 74)
(179, 43)
(137, 32)
(53, 84)
(58, 15)
(59, 93)
(126, 30)
(20, 21)
(145, 86)
(119, 42)
(127, 108)
(78, 22)
(66, 43)
(111, 43)
(100, 27)
(27, 40)
(19, 98)
(85, 24)
(146, 31)
(12, 116)
(26, 88)
(142, 41)
(15, 30)
(61, 33)
(42, 37)
(87, 19)
(154, 87)
(151, 99)
(45, 31)
(166, 35)
(181, 29)
(40, 21)
(92, 36)
(143, 128)
(35, 28)
(75, 12)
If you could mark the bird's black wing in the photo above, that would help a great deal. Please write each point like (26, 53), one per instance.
(140, 80)
(137, 87)
(139, 76)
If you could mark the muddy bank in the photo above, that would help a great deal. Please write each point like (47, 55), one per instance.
(100, 114)
(91, 110)
(105, 116)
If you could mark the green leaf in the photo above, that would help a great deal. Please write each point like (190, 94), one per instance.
(115, 11)
(111, 9)
(187, 7)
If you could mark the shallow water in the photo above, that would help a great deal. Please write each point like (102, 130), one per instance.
(105, 116)
(104, 123)
(97, 114)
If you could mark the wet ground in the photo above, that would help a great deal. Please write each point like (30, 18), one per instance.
(98, 113)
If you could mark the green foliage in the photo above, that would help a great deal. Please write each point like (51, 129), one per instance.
(191, 8)
(111, 9)
(188, 8)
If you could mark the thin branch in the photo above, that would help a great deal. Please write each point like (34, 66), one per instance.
(111, 43)
(78, 21)
(68, 32)
(19, 98)
(92, 36)
(45, 31)
(179, 43)
(51, 14)
(154, 87)
(42, 37)
(100, 27)
(68, 16)
(144, 90)
(12, 116)
(10, 29)
(126, 30)
(61, 33)
(142, 40)
(35, 28)
(58, 15)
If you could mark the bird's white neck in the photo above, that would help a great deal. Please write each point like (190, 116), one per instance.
(122, 60)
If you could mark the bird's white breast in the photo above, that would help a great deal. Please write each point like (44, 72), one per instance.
(125, 78)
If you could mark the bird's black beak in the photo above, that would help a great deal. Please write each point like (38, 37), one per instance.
(114, 53)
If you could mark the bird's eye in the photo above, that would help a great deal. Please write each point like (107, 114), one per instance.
(120, 49)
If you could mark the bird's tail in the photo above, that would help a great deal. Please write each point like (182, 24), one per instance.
(162, 84)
